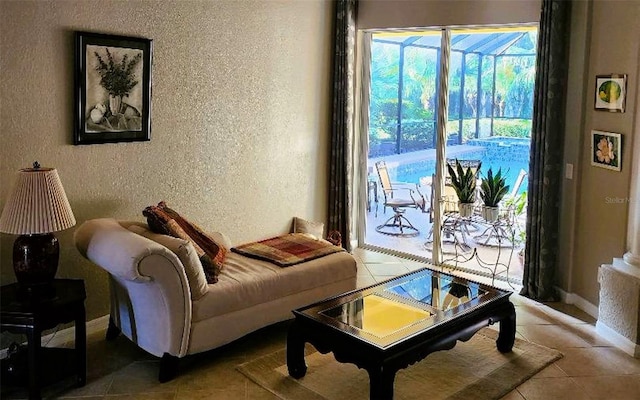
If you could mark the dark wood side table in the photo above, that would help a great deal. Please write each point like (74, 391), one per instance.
(30, 315)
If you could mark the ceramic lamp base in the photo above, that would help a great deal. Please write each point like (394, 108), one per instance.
(35, 259)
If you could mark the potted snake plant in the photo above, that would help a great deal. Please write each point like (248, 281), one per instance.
(463, 181)
(492, 189)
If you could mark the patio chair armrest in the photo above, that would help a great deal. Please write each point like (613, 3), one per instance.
(405, 184)
(411, 191)
(416, 196)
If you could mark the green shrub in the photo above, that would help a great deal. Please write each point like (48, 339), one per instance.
(520, 128)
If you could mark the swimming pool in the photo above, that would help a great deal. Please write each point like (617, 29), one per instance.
(509, 154)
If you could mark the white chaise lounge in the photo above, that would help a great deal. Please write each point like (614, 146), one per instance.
(153, 305)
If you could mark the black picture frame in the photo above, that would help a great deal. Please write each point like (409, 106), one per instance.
(112, 88)
(606, 150)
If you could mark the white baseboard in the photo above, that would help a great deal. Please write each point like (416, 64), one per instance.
(618, 340)
(603, 330)
(67, 335)
(581, 303)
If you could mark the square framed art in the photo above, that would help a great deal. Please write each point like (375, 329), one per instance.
(112, 88)
(611, 92)
(606, 150)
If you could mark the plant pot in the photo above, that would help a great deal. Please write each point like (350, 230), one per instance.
(465, 209)
(490, 214)
(115, 103)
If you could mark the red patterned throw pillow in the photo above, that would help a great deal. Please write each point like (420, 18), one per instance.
(164, 220)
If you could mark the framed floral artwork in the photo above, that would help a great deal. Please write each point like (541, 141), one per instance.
(606, 150)
(611, 92)
(112, 88)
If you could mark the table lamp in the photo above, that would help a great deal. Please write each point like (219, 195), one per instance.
(36, 207)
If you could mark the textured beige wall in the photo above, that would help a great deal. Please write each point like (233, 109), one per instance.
(240, 116)
(601, 205)
(425, 13)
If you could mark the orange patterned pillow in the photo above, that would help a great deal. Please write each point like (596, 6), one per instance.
(162, 219)
(198, 235)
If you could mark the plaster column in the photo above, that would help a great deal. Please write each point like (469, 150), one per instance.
(632, 257)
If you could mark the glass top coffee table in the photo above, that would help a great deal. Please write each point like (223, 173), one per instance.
(386, 327)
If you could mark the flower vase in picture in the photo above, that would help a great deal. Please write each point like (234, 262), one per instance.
(115, 102)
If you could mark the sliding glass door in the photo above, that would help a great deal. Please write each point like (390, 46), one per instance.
(430, 97)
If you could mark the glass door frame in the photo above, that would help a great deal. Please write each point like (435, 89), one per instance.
(363, 72)
(361, 148)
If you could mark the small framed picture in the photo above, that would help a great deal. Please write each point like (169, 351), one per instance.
(611, 92)
(112, 88)
(606, 150)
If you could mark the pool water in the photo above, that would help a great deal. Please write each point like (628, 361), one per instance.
(511, 170)
(509, 154)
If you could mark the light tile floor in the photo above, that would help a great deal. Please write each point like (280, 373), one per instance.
(487, 259)
(590, 369)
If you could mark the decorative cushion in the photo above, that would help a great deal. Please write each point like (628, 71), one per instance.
(288, 250)
(164, 220)
(335, 238)
(315, 229)
(187, 255)
(222, 239)
(218, 238)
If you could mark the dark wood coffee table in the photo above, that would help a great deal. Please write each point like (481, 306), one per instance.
(396, 323)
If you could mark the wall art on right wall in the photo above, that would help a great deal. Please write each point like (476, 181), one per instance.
(606, 150)
(611, 92)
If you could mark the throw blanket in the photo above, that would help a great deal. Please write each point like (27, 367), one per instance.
(287, 250)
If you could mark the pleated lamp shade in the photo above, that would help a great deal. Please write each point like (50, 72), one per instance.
(37, 204)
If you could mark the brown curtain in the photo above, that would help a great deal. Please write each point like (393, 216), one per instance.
(547, 140)
(341, 153)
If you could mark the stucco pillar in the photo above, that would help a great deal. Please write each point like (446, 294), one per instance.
(632, 257)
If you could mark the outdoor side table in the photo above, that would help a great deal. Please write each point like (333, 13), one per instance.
(31, 315)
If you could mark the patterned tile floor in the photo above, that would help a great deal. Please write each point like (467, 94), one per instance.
(590, 369)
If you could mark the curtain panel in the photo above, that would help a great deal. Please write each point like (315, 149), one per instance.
(547, 140)
(342, 140)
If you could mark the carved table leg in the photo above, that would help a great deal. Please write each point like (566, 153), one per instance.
(81, 346)
(33, 356)
(295, 352)
(381, 383)
(507, 334)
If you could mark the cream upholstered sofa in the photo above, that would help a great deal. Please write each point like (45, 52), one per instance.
(153, 305)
